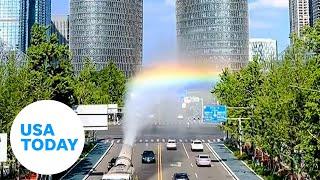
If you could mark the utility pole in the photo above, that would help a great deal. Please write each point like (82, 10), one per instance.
(240, 130)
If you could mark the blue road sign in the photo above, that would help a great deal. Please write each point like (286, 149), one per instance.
(214, 114)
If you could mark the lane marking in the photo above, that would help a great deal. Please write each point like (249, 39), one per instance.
(191, 165)
(196, 175)
(185, 150)
(180, 140)
(118, 141)
(224, 165)
(97, 163)
(158, 162)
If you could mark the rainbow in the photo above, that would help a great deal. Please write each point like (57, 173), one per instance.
(175, 75)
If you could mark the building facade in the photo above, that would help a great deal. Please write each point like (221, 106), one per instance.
(315, 6)
(105, 31)
(264, 49)
(12, 23)
(299, 13)
(17, 18)
(60, 27)
(213, 32)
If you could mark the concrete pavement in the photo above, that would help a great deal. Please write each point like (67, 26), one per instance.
(167, 163)
(83, 167)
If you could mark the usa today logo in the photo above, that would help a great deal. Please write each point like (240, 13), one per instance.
(47, 137)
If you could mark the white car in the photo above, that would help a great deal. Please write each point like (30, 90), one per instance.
(171, 144)
(203, 160)
(196, 145)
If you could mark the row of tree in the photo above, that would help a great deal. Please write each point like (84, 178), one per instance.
(48, 74)
(282, 104)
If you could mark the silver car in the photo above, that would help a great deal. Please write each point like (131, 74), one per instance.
(203, 160)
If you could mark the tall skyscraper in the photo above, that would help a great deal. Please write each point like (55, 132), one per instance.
(60, 27)
(12, 24)
(299, 15)
(315, 6)
(107, 30)
(213, 32)
(18, 16)
(265, 49)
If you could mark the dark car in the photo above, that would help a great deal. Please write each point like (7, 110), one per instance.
(111, 163)
(148, 157)
(180, 176)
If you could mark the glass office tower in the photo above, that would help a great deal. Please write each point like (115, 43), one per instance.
(107, 30)
(12, 24)
(17, 18)
(213, 32)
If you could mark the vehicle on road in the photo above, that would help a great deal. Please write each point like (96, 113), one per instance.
(123, 167)
(180, 176)
(203, 160)
(196, 145)
(180, 117)
(148, 157)
(111, 163)
(171, 144)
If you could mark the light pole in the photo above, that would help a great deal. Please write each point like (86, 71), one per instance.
(240, 121)
(240, 131)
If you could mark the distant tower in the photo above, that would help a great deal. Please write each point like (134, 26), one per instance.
(265, 49)
(60, 27)
(213, 32)
(299, 15)
(39, 13)
(17, 18)
(107, 30)
(315, 10)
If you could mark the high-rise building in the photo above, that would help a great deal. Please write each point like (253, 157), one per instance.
(18, 16)
(105, 31)
(39, 13)
(315, 6)
(12, 23)
(213, 32)
(264, 49)
(60, 27)
(299, 15)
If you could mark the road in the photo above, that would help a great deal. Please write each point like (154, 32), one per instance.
(167, 130)
(167, 162)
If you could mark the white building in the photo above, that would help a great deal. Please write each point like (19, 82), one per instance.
(60, 27)
(265, 49)
(299, 12)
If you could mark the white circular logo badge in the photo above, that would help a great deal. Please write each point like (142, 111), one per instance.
(47, 137)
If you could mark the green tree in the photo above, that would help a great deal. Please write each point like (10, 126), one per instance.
(86, 90)
(51, 63)
(112, 82)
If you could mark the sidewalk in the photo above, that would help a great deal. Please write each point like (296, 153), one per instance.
(85, 165)
(236, 166)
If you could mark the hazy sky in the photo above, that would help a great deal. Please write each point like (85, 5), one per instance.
(268, 19)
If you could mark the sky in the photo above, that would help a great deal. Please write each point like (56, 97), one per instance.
(267, 19)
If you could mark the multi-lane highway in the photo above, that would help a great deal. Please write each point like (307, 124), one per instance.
(168, 162)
